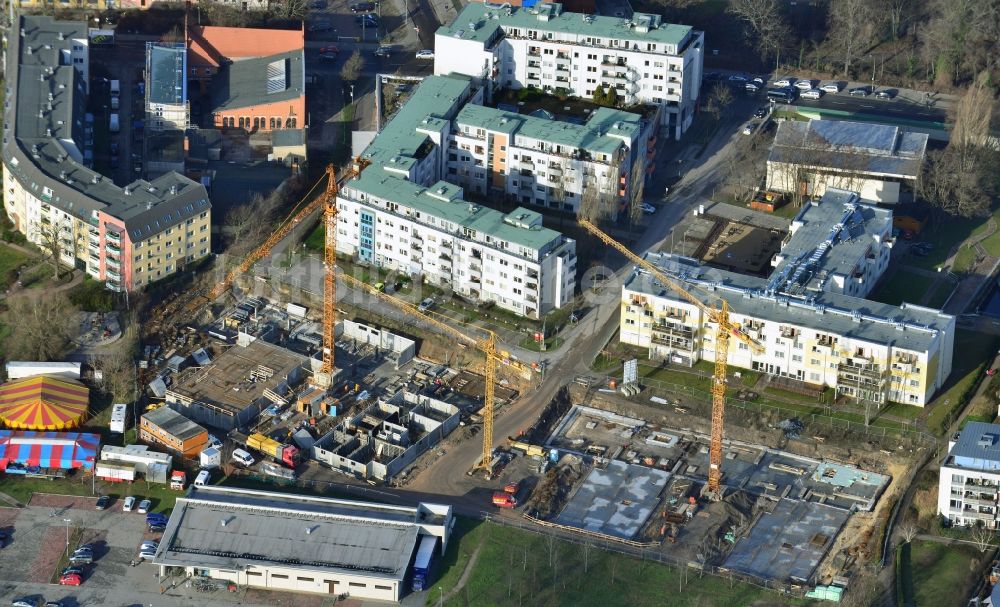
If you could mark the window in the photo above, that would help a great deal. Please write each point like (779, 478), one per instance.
(357, 585)
(796, 358)
(254, 574)
(377, 587)
(306, 579)
(278, 576)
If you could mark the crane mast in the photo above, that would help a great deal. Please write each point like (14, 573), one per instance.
(329, 273)
(724, 329)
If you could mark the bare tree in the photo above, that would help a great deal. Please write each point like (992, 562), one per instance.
(909, 532)
(246, 224)
(352, 67)
(290, 9)
(46, 237)
(899, 13)
(850, 28)
(43, 329)
(983, 536)
(117, 363)
(637, 182)
(719, 99)
(766, 29)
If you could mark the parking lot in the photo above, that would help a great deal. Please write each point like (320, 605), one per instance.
(38, 540)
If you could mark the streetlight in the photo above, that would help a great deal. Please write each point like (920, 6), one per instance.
(352, 94)
(440, 596)
(67, 521)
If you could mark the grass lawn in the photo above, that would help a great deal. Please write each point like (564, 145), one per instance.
(944, 235)
(903, 285)
(21, 489)
(551, 343)
(10, 260)
(514, 568)
(938, 574)
(969, 362)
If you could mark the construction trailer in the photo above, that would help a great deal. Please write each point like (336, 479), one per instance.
(153, 465)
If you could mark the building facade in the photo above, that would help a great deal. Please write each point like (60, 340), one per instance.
(879, 161)
(865, 350)
(969, 481)
(299, 543)
(166, 427)
(545, 47)
(126, 236)
(551, 163)
(478, 253)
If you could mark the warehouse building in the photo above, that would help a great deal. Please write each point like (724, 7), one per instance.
(230, 391)
(880, 161)
(152, 465)
(177, 433)
(300, 543)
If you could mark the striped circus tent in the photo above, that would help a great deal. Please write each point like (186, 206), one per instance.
(62, 450)
(43, 403)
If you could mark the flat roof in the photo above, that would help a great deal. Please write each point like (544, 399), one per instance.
(977, 447)
(259, 81)
(851, 146)
(45, 151)
(829, 236)
(226, 381)
(173, 423)
(167, 73)
(907, 326)
(480, 20)
(444, 200)
(235, 528)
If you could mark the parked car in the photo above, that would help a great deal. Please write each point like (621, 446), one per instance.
(383, 51)
(54, 604)
(71, 579)
(803, 85)
(886, 94)
(157, 527)
(861, 91)
(368, 20)
(328, 56)
(739, 78)
(426, 304)
(81, 558)
(748, 129)
(128, 504)
(786, 81)
(758, 81)
(144, 506)
(761, 112)
(102, 502)
(830, 87)
(648, 208)
(330, 48)
(361, 7)
(812, 94)
(25, 602)
(751, 88)
(425, 54)
(69, 570)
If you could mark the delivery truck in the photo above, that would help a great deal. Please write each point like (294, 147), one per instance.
(422, 564)
(502, 499)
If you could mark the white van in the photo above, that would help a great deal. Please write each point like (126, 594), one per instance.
(242, 457)
(202, 479)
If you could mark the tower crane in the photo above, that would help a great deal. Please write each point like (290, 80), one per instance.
(487, 345)
(724, 329)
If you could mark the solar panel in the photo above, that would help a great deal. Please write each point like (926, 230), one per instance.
(277, 76)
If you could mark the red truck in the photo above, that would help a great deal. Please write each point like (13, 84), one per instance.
(502, 499)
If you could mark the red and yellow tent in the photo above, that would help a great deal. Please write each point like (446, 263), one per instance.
(43, 403)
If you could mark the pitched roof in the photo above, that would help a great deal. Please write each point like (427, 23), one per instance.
(212, 45)
(258, 81)
(43, 403)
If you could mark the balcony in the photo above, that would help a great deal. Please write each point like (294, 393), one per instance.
(110, 248)
(113, 275)
(114, 237)
(532, 274)
(980, 500)
(475, 269)
(976, 514)
(537, 64)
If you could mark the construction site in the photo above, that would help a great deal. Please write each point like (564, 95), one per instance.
(739, 245)
(621, 478)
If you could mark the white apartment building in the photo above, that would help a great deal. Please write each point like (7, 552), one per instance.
(166, 86)
(551, 163)
(836, 244)
(863, 349)
(969, 482)
(479, 253)
(643, 59)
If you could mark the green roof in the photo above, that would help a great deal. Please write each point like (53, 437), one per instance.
(444, 200)
(591, 136)
(400, 137)
(488, 18)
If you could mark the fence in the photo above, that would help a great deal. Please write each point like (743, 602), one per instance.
(878, 428)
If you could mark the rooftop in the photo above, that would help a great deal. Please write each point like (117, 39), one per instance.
(234, 528)
(850, 146)
(45, 151)
(167, 65)
(907, 326)
(239, 376)
(977, 447)
(444, 201)
(602, 133)
(173, 423)
(212, 45)
(829, 236)
(480, 21)
(433, 102)
(259, 81)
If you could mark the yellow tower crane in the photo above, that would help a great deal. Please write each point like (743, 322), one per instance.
(724, 328)
(487, 345)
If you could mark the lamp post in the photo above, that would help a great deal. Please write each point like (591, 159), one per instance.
(67, 521)
(352, 94)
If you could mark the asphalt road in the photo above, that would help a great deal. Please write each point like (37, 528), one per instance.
(892, 108)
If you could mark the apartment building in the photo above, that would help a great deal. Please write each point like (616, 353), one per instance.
(969, 482)
(166, 86)
(863, 349)
(835, 244)
(476, 252)
(543, 46)
(126, 237)
(551, 163)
